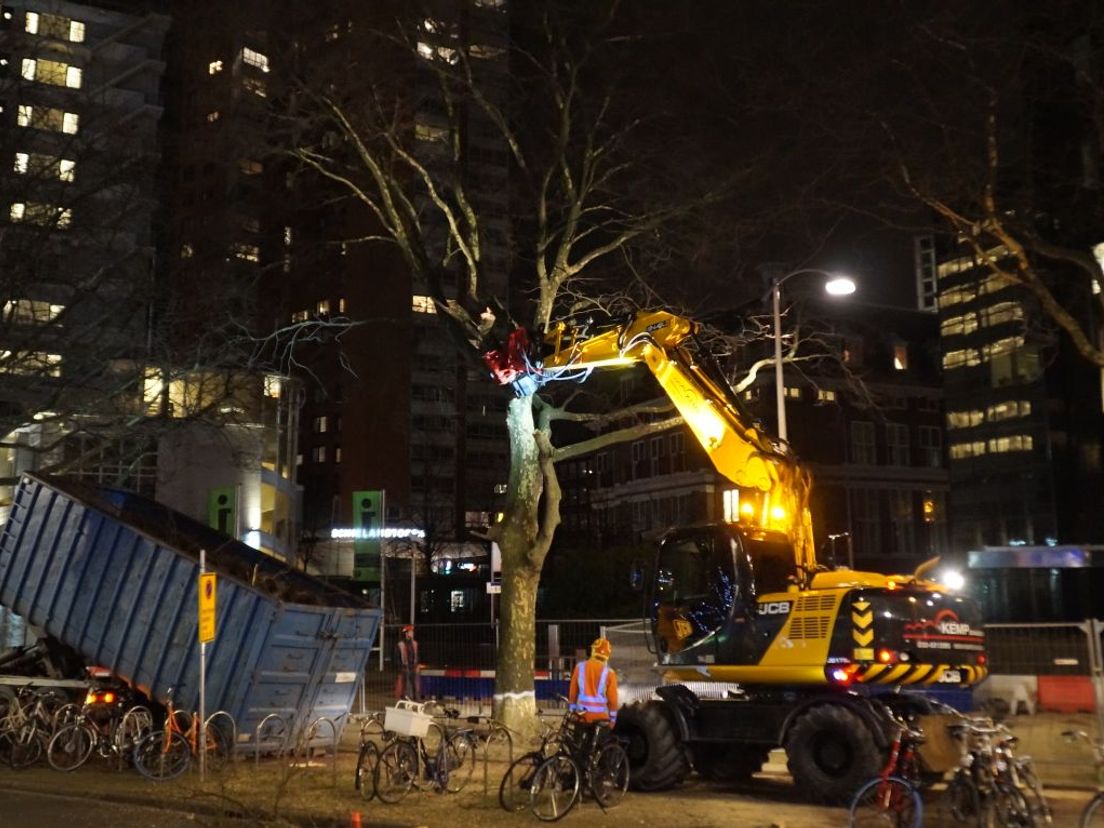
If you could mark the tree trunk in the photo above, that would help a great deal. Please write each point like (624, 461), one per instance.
(523, 552)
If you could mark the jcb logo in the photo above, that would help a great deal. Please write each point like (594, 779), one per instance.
(774, 608)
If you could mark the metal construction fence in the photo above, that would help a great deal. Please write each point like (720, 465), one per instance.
(459, 659)
(1048, 680)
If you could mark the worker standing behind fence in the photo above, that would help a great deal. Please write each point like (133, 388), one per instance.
(408, 683)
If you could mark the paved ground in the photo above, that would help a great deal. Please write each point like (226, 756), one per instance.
(275, 793)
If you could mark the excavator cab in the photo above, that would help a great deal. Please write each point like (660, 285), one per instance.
(708, 579)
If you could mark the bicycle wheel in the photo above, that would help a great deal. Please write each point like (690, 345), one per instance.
(513, 790)
(70, 747)
(886, 803)
(159, 760)
(1010, 808)
(609, 775)
(963, 800)
(1093, 815)
(1034, 792)
(26, 746)
(460, 756)
(396, 771)
(367, 759)
(555, 788)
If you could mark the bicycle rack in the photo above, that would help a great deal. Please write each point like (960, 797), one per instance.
(283, 731)
(312, 729)
(497, 732)
(134, 713)
(233, 746)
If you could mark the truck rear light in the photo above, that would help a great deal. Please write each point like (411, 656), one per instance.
(981, 659)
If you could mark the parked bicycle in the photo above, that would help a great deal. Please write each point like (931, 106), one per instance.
(988, 788)
(165, 754)
(1093, 815)
(513, 790)
(892, 798)
(27, 725)
(105, 725)
(424, 753)
(589, 758)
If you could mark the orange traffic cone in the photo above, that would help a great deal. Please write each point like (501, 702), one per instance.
(354, 819)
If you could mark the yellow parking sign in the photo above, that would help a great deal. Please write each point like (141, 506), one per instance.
(207, 607)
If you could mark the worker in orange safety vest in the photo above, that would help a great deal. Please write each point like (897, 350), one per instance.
(593, 689)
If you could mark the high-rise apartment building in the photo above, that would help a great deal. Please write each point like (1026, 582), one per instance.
(387, 403)
(79, 108)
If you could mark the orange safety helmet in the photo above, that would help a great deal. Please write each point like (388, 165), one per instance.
(408, 628)
(601, 649)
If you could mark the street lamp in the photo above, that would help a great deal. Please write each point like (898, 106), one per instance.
(836, 285)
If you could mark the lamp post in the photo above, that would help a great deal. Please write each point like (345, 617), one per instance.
(836, 285)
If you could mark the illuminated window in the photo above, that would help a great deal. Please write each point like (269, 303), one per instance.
(54, 26)
(246, 252)
(964, 419)
(341, 305)
(1003, 347)
(972, 449)
(337, 454)
(44, 166)
(825, 395)
(31, 311)
(318, 454)
(995, 282)
(52, 72)
(44, 215)
(322, 307)
(444, 53)
(491, 4)
(1008, 410)
(1013, 442)
(254, 59)
(900, 356)
(250, 167)
(186, 251)
(256, 86)
(320, 425)
(423, 304)
(300, 316)
(287, 236)
(214, 67)
(791, 393)
(213, 116)
(964, 324)
(955, 296)
(429, 132)
(751, 394)
(1002, 312)
(30, 363)
(481, 51)
(960, 358)
(273, 386)
(731, 501)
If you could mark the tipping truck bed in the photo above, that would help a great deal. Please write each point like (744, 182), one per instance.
(115, 577)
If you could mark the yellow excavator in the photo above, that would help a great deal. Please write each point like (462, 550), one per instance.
(759, 645)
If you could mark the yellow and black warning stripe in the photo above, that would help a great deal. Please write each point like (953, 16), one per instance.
(906, 673)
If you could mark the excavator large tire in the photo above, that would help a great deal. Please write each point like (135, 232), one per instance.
(830, 752)
(657, 759)
(729, 762)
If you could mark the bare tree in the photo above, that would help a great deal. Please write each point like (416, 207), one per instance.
(594, 196)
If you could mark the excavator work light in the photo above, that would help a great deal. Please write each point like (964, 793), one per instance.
(886, 656)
